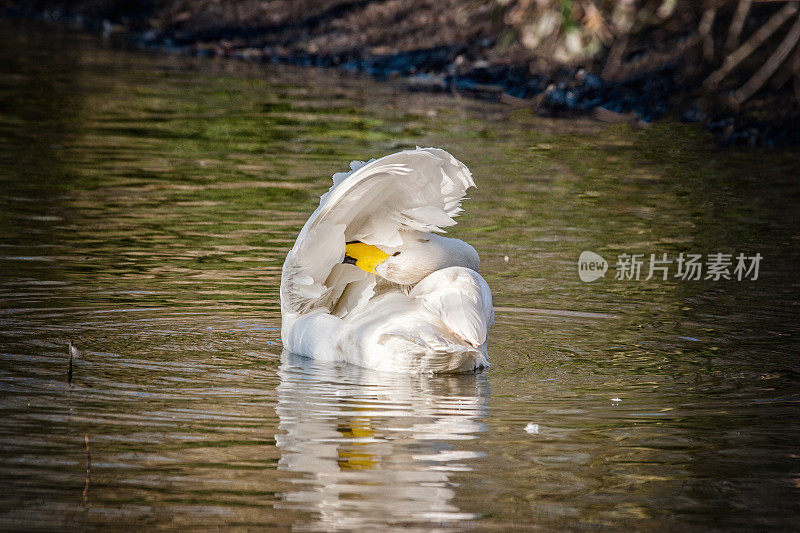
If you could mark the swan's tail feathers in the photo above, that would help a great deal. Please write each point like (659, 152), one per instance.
(431, 352)
(461, 299)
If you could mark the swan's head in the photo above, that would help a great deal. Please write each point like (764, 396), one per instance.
(419, 255)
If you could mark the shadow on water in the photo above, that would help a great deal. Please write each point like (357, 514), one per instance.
(40, 119)
(375, 448)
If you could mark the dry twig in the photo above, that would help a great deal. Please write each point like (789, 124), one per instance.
(88, 469)
(796, 70)
(768, 69)
(735, 29)
(704, 29)
(655, 60)
(614, 61)
(756, 40)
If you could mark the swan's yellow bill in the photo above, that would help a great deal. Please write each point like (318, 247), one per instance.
(364, 256)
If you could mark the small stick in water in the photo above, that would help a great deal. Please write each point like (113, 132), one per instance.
(73, 353)
(88, 468)
(69, 368)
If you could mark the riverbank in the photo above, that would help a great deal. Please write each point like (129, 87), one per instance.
(475, 49)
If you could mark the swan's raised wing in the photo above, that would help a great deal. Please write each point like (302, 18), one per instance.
(413, 190)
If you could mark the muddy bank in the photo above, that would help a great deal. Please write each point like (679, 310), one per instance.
(473, 48)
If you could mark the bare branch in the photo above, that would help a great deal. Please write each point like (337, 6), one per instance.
(768, 69)
(614, 60)
(704, 29)
(655, 60)
(756, 40)
(735, 30)
(796, 71)
(88, 469)
(784, 74)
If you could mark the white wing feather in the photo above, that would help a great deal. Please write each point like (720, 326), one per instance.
(394, 331)
(461, 299)
(308, 265)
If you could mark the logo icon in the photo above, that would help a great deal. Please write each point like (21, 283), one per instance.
(591, 266)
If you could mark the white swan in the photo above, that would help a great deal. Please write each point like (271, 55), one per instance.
(368, 282)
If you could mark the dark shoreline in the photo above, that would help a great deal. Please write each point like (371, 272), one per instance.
(638, 99)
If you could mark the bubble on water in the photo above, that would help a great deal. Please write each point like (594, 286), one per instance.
(532, 428)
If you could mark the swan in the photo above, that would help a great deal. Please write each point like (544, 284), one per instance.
(369, 280)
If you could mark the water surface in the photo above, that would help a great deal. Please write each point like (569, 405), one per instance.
(147, 202)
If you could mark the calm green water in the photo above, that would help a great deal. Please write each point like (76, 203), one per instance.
(147, 203)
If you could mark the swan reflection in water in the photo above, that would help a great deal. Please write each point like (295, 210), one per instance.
(375, 448)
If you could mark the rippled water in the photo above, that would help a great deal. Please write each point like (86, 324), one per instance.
(147, 203)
